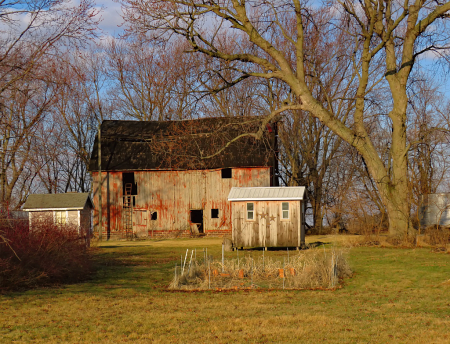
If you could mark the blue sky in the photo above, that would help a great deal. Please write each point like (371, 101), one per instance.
(111, 17)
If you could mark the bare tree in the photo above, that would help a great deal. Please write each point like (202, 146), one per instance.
(391, 33)
(151, 82)
(82, 104)
(34, 32)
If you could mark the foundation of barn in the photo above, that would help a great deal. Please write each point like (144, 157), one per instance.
(162, 234)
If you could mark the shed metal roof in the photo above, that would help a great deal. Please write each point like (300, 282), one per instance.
(71, 200)
(285, 193)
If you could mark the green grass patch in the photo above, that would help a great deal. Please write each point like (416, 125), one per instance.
(395, 296)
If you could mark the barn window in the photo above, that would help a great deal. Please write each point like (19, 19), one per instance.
(285, 210)
(154, 216)
(226, 173)
(250, 211)
(129, 185)
(214, 213)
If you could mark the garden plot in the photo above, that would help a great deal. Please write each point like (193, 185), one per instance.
(309, 269)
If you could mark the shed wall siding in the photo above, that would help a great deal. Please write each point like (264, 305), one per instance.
(172, 194)
(267, 229)
(72, 217)
(39, 216)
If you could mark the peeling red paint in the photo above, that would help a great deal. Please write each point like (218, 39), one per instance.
(172, 194)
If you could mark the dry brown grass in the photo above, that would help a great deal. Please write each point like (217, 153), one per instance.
(394, 296)
(314, 268)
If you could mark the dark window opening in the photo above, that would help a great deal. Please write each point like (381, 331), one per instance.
(129, 185)
(197, 218)
(154, 216)
(214, 213)
(226, 173)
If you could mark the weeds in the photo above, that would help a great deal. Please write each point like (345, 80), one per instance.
(438, 236)
(314, 268)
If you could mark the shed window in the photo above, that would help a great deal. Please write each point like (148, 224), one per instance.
(250, 211)
(226, 173)
(154, 216)
(214, 213)
(60, 217)
(285, 210)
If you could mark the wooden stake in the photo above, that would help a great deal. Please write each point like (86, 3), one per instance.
(190, 262)
(223, 257)
(184, 265)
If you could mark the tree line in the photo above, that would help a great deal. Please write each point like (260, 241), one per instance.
(357, 88)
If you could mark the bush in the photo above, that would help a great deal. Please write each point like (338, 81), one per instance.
(437, 235)
(44, 255)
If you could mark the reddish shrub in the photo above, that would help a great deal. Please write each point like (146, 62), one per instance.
(43, 255)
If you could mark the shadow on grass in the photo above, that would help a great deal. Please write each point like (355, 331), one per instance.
(283, 249)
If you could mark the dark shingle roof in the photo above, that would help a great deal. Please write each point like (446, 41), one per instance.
(57, 201)
(182, 145)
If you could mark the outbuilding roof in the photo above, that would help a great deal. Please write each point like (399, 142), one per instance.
(282, 193)
(63, 201)
(204, 143)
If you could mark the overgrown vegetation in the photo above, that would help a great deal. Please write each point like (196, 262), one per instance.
(43, 255)
(127, 300)
(315, 268)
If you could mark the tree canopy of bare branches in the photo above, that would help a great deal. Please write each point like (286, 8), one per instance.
(274, 40)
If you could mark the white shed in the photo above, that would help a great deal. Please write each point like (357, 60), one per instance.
(268, 216)
(66, 208)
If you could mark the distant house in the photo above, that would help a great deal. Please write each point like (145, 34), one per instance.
(67, 208)
(268, 217)
(173, 177)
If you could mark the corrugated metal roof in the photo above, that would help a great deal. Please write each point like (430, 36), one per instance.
(267, 193)
(71, 200)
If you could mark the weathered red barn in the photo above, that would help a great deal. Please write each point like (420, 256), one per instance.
(174, 177)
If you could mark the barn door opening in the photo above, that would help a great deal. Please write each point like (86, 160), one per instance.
(140, 223)
(197, 218)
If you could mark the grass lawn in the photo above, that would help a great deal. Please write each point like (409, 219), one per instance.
(395, 296)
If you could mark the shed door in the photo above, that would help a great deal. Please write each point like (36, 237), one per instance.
(263, 224)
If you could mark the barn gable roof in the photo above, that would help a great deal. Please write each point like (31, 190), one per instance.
(67, 201)
(284, 193)
(205, 143)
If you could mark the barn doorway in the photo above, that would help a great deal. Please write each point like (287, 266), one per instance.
(197, 218)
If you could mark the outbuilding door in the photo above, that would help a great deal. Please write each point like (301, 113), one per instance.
(140, 221)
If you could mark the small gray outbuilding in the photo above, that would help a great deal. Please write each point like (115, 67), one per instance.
(66, 209)
(434, 210)
(268, 216)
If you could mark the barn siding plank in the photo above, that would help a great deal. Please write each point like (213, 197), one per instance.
(172, 194)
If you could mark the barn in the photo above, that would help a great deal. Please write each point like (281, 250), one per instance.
(70, 208)
(268, 216)
(161, 178)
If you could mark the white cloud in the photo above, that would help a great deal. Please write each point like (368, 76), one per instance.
(111, 17)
